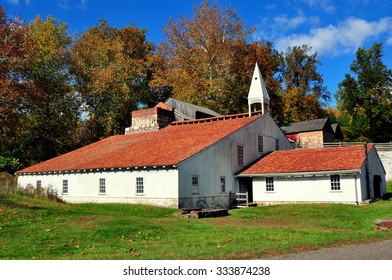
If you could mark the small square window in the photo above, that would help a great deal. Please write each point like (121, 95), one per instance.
(335, 182)
(139, 185)
(65, 186)
(102, 185)
(269, 184)
(195, 184)
(223, 184)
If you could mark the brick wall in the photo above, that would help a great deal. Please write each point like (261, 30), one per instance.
(150, 119)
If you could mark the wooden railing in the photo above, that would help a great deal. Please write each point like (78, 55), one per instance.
(242, 197)
(379, 146)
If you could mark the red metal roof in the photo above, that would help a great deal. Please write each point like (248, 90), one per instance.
(165, 147)
(310, 160)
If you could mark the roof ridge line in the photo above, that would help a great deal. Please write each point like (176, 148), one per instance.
(218, 118)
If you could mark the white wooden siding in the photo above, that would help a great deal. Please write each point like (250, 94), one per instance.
(160, 186)
(308, 189)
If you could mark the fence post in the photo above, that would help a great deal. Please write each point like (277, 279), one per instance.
(247, 200)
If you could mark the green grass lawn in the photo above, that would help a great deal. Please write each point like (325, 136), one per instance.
(34, 228)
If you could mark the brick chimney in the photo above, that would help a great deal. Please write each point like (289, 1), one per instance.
(151, 119)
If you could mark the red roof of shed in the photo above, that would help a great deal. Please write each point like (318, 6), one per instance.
(165, 147)
(310, 160)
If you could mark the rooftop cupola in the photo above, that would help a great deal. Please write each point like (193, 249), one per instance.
(258, 98)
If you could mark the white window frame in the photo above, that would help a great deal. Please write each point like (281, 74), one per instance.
(139, 186)
(65, 186)
(195, 184)
(260, 144)
(269, 184)
(335, 182)
(240, 155)
(223, 184)
(102, 185)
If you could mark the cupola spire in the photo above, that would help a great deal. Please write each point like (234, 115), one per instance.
(258, 98)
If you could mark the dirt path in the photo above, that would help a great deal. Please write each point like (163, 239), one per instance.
(381, 250)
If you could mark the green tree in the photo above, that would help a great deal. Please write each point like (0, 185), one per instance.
(365, 98)
(48, 124)
(111, 73)
(304, 95)
(208, 61)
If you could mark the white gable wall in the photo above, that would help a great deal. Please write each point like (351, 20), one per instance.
(160, 186)
(375, 169)
(220, 160)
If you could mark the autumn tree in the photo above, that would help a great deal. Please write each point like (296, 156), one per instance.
(111, 73)
(304, 95)
(51, 112)
(207, 60)
(14, 43)
(364, 97)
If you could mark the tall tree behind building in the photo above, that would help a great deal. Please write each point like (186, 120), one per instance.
(111, 73)
(365, 99)
(207, 60)
(52, 111)
(14, 44)
(304, 95)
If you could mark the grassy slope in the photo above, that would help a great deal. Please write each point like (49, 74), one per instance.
(32, 228)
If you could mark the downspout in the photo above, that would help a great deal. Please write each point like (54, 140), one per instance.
(369, 188)
(356, 189)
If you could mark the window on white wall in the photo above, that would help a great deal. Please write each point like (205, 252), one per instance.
(38, 184)
(139, 185)
(65, 186)
(195, 184)
(240, 155)
(335, 182)
(223, 184)
(269, 184)
(260, 144)
(102, 185)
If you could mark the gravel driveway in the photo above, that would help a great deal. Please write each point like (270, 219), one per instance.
(381, 250)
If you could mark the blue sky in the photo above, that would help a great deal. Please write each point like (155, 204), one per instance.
(335, 29)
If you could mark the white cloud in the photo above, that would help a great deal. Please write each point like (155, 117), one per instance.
(325, 5)
(63, 4)
(346, 37)
(83, 4)
(69, 4)
(286, 23)
(14, 2)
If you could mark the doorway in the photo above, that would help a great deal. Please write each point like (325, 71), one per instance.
(377, 186)
(245, 185)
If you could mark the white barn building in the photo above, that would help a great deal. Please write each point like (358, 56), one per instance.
(341, 174)
(187, 164)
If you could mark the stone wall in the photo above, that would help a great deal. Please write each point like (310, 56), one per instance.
(310, 139)
(386, 158)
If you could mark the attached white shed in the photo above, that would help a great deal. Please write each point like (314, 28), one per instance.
(342, 175)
